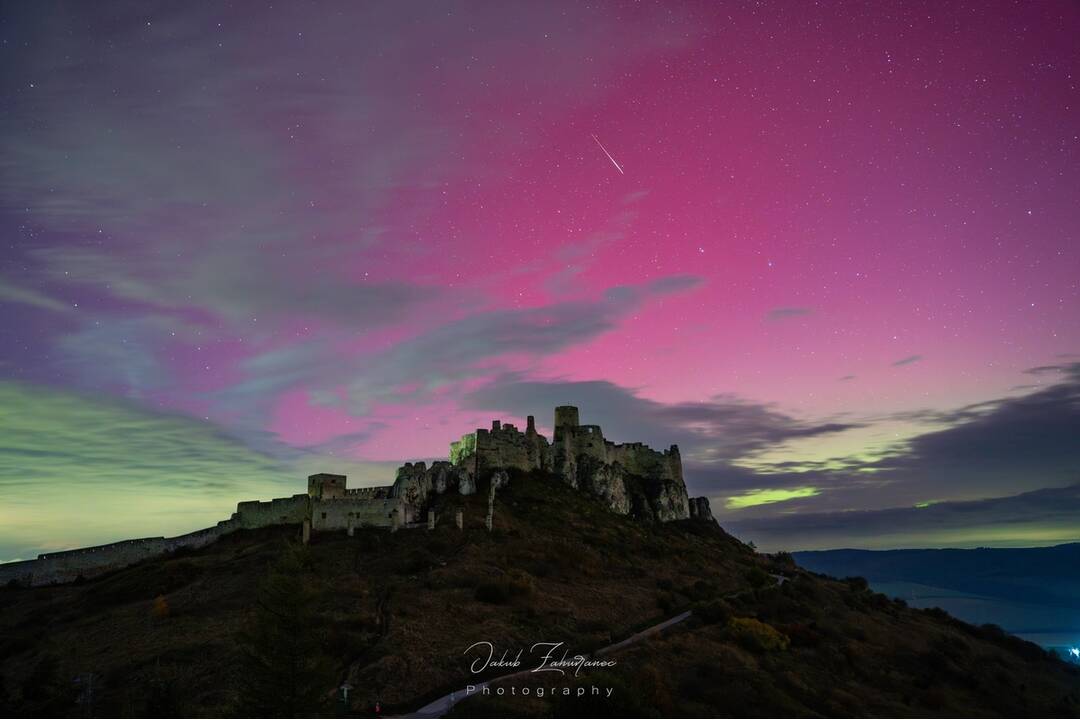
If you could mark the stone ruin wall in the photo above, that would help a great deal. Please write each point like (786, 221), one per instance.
(381, 492)
(503, 446)
(346, 513)
(279, 511)
(640, 459)
(69, 565)
(363, 508)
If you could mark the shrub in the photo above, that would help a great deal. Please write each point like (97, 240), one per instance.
(495, 593)
(520, 583)
(802, 635)
(716, 612)
(857, 584)
(160, 609)
(418, 561)
(757, 577)
(757, 636)
(702, 590)
(784, 559)
(499, 592)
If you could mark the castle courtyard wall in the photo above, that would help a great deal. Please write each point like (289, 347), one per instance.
(279, 511)
(345, 513)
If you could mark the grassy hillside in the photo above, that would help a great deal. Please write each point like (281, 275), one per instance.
(256, 624)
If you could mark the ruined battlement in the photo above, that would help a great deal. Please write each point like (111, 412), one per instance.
(369, 493)
(503, 446)
(629, 478)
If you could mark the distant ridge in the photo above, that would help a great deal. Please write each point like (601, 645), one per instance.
(986, 584)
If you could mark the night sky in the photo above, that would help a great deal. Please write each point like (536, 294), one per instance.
(832, 250)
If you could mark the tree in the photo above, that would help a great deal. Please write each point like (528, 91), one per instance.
(160, 609)
(283, 672)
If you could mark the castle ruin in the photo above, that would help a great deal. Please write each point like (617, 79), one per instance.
(629, 479)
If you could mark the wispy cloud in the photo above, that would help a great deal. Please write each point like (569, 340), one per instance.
(785, 313)
(910, 359)
(1038, 517)
(28, 296)
(80, 468)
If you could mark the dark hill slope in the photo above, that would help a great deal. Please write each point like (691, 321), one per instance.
(393, 614)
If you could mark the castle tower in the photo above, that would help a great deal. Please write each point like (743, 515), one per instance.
(325, 485)
(566, 416)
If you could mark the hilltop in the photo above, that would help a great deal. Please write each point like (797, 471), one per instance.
(391, 614)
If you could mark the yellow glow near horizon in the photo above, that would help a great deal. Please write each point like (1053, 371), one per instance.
(768, 496)
(78, 469)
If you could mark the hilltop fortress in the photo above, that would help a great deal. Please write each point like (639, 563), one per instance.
(629, 479)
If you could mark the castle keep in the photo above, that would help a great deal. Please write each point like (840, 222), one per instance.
(630, 479)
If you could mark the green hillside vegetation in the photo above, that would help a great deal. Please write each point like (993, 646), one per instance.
(257, 624)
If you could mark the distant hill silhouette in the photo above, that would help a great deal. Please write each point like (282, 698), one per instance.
(1023, 589)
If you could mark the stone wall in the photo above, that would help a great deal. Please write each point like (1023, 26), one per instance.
(69, 565)
(503, 446)
(370, 493)
(280, 511)
(345, 513)
(326, 485)
(462, 449)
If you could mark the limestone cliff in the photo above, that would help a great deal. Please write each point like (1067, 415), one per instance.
(416, 483)
(700, 509)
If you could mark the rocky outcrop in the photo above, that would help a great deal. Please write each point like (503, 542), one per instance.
(671, 501)
(607, 483)
(466, 483)
(416, 482)
(700, 509)
(413, 484)
(649, 498)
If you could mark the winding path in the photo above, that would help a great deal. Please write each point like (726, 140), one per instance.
(441, 706)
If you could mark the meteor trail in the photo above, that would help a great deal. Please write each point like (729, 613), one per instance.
(617, 166)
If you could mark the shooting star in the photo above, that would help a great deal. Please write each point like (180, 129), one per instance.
(617, 166)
